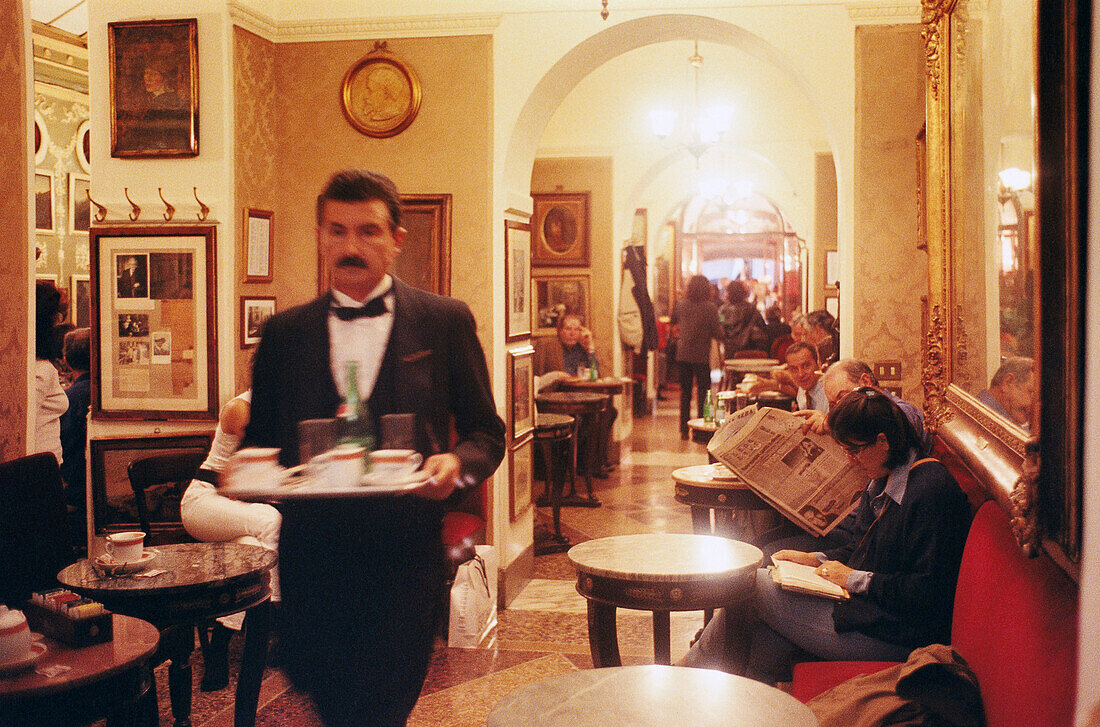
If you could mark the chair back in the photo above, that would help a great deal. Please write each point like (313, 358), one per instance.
(170, 474)
(34, 527)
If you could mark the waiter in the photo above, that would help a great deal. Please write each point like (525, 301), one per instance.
(363, 579)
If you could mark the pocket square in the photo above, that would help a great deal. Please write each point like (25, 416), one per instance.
(412, 357)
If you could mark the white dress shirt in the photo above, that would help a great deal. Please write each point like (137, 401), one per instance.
(363, 339)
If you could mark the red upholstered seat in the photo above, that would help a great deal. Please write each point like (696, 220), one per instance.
(1015, 623)
(458, 526)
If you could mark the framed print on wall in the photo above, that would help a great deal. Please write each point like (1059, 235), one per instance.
(517, 280)
(43, 203)
(255, 310)
(560, 230)
(521, 392)
(154, 88)
(555, 296)
(153, 323)
(257, 246)
(80, 209)
(521, 466)
(381, 94)
(80, 300)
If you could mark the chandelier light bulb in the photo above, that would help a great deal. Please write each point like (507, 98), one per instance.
(662, 121)
(1015, 179)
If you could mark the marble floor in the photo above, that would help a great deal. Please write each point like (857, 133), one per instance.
(544, 630)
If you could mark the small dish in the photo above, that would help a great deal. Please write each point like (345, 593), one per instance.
(38, 650)
(113, 567)
(372, 479)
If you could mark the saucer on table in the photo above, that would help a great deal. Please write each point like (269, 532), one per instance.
(37, 651)
(380, 478)
(116, 567)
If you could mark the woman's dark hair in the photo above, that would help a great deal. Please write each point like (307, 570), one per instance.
(47, 306)
(698, 289)
(863, 414)
(737, 291)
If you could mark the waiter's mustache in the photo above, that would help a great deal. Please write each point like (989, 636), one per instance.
(351, 261)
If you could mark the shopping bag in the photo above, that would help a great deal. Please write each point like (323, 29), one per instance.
(473, 616)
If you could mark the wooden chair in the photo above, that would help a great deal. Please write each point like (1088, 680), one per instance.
(174, 470)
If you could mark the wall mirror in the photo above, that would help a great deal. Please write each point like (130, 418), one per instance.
(1002, 373)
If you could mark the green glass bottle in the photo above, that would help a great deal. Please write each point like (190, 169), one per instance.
(353, 424)
(593, 366)
(708, 407)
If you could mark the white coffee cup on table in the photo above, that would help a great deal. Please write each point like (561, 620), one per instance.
(344, 465)
(254, 467)
(394, 463)
(15, 635)
(126, 547)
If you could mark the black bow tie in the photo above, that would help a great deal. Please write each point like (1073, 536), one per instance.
(374, 307)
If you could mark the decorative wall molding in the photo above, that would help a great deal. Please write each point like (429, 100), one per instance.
(297, 31)
(883, 13)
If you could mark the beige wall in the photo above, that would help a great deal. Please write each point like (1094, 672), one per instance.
(891, 274)
(15, 333)
(593, 175)
(825, 216)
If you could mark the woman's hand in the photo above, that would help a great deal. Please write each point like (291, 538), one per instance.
(835, 572)
(796, 556)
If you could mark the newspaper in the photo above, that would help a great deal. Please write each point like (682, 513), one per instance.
(804, 475)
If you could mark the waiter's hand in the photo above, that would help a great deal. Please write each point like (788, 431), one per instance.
(443, 471)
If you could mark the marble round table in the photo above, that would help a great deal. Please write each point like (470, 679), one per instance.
(733, 369)
(587, 407)
(612, 386)
(715, 493)
(649, 696)
(658, 572)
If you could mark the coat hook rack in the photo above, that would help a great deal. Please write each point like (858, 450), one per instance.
(169, 210)
(203, 209)
(135, 210)
(100, 210)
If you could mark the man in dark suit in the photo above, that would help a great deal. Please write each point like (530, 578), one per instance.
(363, 579)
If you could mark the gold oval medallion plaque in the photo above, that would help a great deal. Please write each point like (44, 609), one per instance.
(381, 95)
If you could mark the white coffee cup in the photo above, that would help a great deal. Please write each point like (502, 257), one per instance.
(394, 463)
(344, 465)
(254, 467)
(126, 547)
(15, 636)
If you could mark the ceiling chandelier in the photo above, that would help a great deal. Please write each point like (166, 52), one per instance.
(703, 128)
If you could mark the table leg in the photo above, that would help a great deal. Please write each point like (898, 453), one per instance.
(258, 622)
(179, 642)
(603, 641)
(700, 520)
(726, 523)
(662, 638)
(591, 455)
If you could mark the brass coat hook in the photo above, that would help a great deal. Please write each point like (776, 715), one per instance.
(135, 210)
(100, 210)
(169, 210)
(203, 209)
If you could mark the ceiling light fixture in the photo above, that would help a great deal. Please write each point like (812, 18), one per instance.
(703, 129)
(603, 13)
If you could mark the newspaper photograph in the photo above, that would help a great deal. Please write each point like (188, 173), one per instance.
(806, 476)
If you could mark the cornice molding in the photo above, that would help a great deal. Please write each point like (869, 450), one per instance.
(361, 28)
(876, 12)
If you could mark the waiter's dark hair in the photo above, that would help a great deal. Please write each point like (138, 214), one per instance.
(863, 414)
(361, 185)
(698, 289)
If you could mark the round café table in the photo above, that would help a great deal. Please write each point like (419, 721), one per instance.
(199, 582)
(612, 386)
(715, 493)
(702, 430)
(106, 679)
(649, 696)
(734, 369)
(658, 572)
(586, 407)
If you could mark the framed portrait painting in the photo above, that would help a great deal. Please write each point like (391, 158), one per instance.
(255, 310)
(80, 300)
(521, 469)
(153, 323)
(517, 280)
(560, 230)
(43, 203)
(381, 94)
(154, 88)
(521, 392)
(555, 296)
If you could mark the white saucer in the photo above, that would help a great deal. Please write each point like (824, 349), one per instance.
(373, 479)
(38, 650)
(114, 567)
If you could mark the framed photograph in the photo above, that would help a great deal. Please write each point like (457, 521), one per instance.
(154, 88)
(43, 203)
(521, 392)
(80, 209)
(832, 268)
(80, 300)
(257, 246)
(84, 145)
(521, 467)
(113, 506)
(560, 230)
(381, 94)
(153, 322)
(517, 280)
(255, 310)
(556, 296)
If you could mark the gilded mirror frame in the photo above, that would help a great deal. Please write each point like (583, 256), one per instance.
(1037, 479)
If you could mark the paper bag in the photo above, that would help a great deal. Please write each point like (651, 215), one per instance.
(474, 600)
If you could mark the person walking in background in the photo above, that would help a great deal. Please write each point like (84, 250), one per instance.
(744, 328)
(696, 319)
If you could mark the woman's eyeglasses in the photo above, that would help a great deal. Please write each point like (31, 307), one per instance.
(853, 450)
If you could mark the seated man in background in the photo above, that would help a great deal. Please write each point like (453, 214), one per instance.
(802, 367)
(570, 350)
(1013, 391)
(821, 334)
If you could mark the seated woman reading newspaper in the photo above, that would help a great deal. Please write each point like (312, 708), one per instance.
(899, 565)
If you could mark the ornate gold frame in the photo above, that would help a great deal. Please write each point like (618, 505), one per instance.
(1037, 480)
(389, 116)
